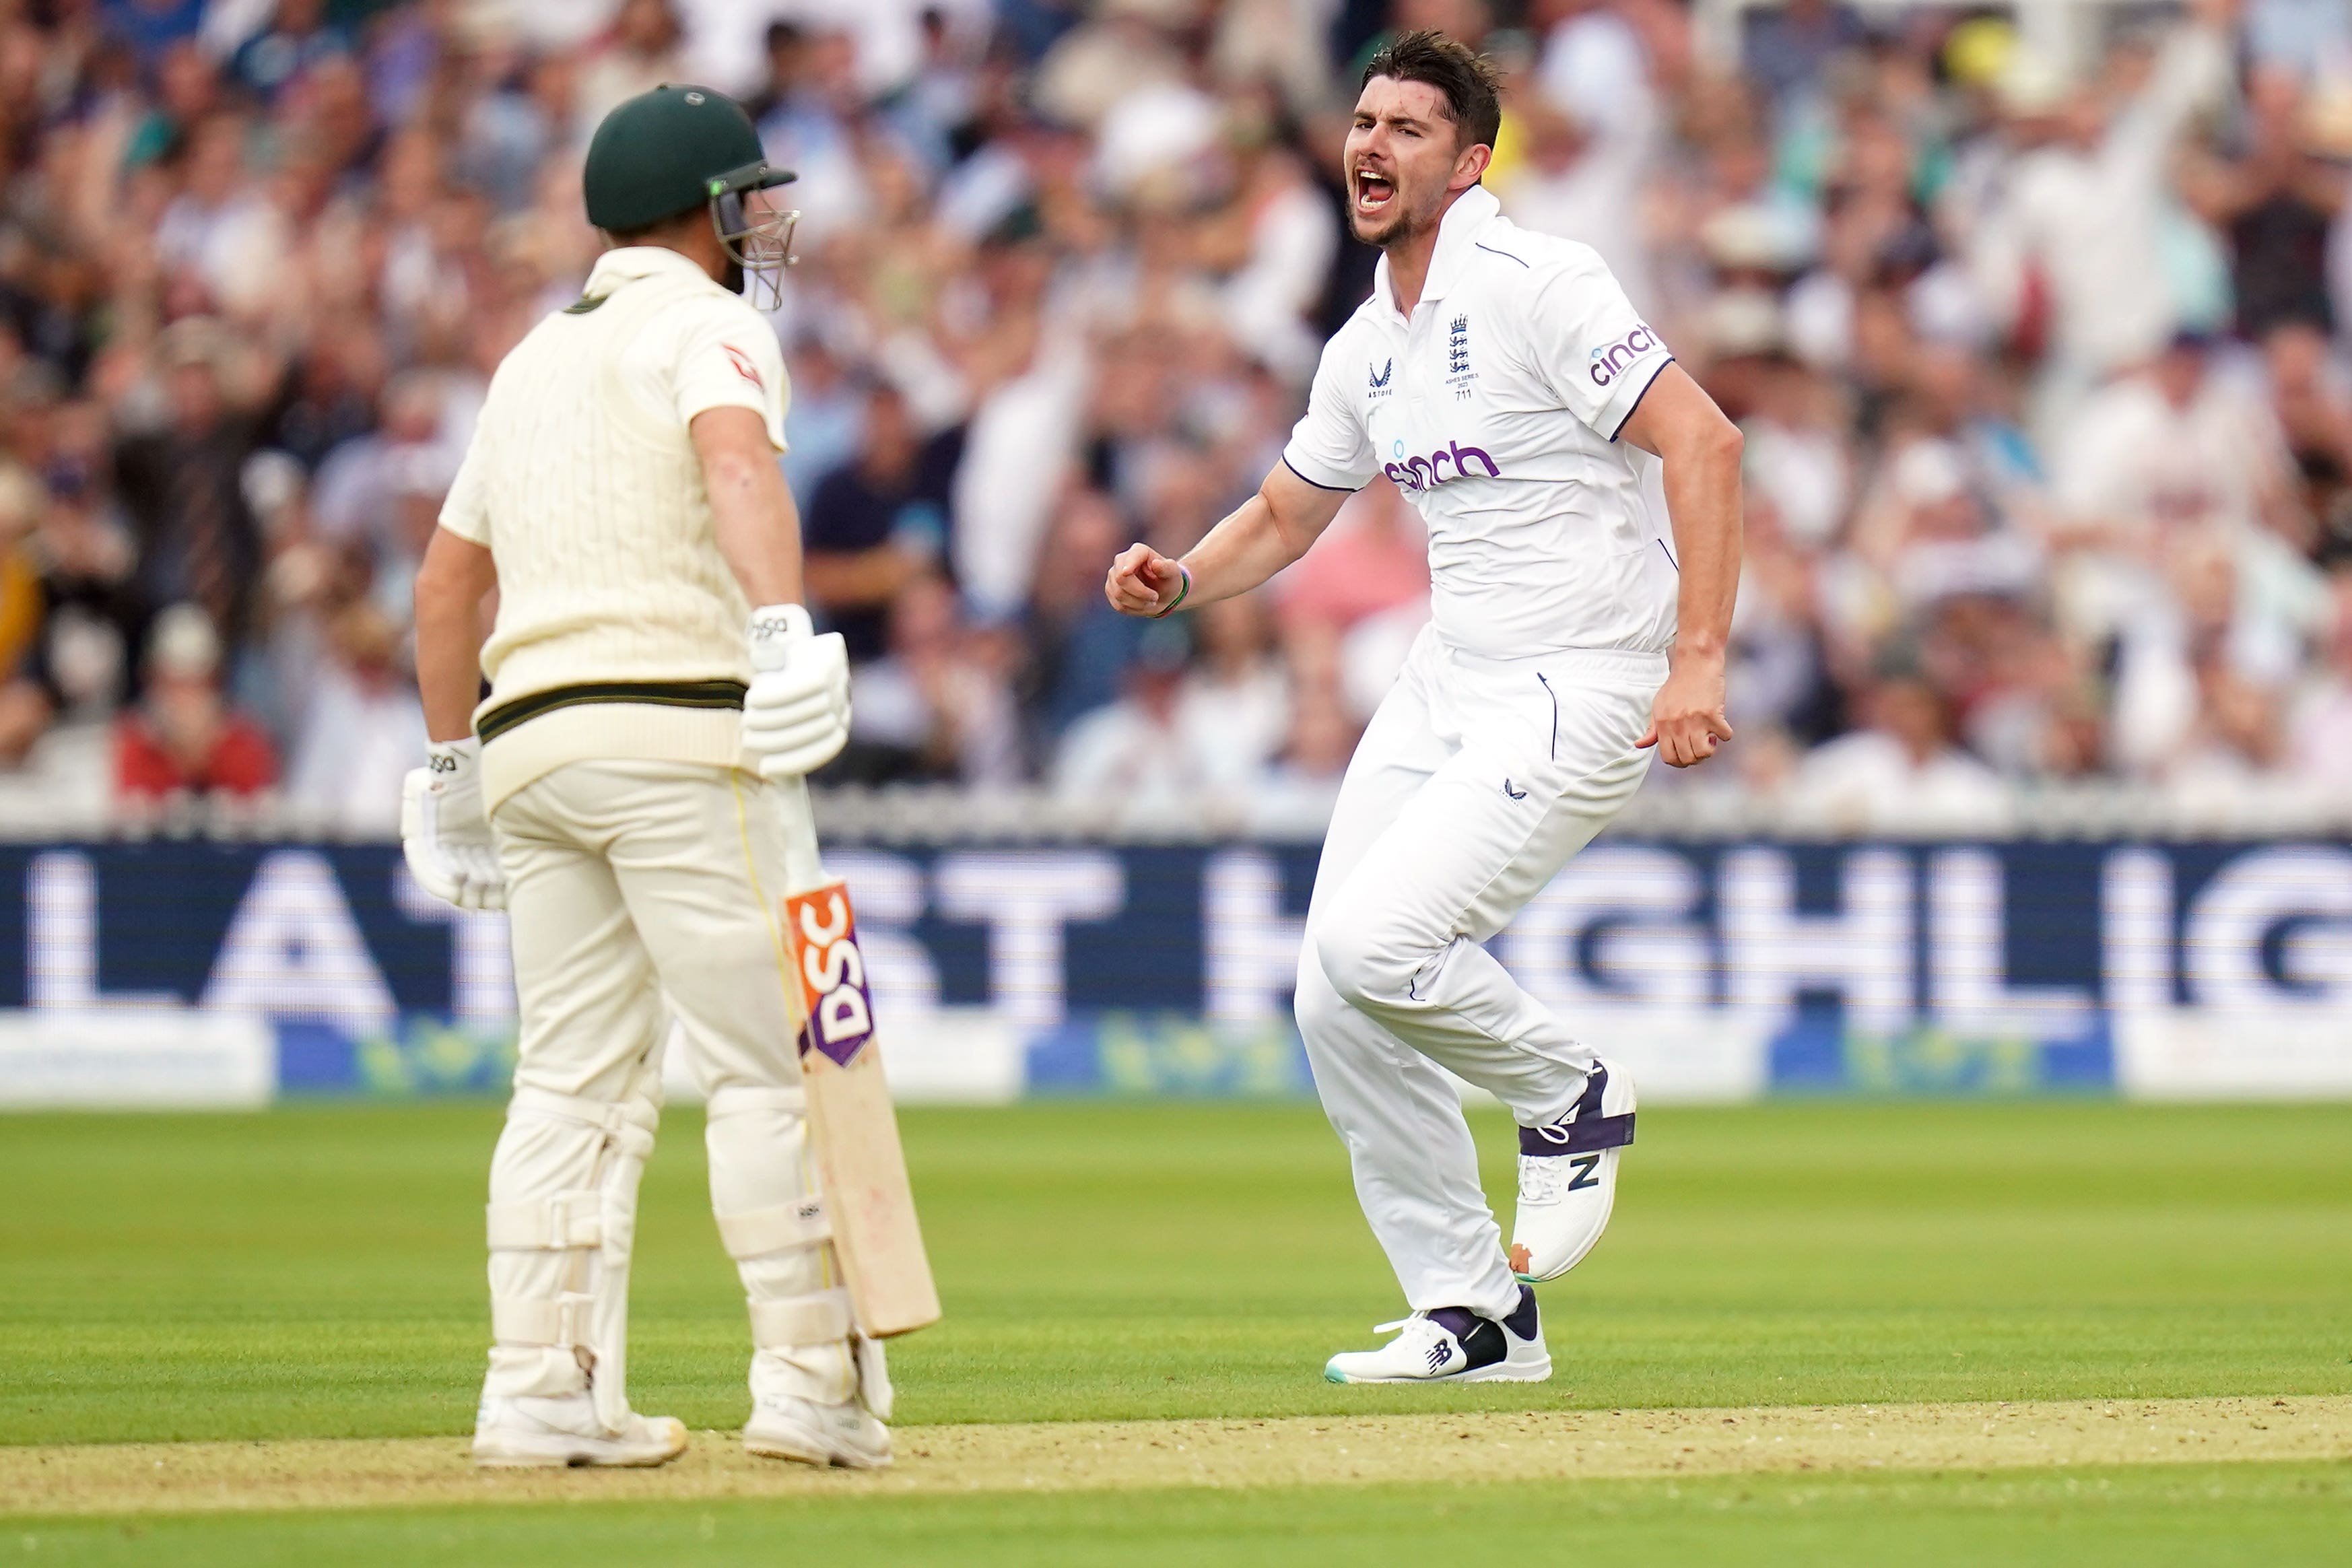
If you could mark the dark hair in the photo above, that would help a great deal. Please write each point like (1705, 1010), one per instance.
(1465, 75)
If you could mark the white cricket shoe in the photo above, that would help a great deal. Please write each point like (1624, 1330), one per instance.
(785, 1427)
(562, 1429)
(1453, 1344)
(1568, 1176)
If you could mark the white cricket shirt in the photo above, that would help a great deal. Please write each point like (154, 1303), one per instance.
(1495, 408)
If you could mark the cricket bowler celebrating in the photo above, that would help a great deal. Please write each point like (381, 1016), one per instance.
(645, 721)
(1502, 381)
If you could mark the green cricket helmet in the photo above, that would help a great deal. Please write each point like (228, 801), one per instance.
(680, 147)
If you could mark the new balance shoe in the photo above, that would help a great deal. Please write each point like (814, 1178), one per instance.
(1568, 1176)
(1453, 1344)
(562, 1429)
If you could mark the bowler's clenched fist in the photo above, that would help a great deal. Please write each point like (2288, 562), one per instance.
(1687, 721)
(1142, 582)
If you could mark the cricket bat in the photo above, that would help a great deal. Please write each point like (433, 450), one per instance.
(853, 1124)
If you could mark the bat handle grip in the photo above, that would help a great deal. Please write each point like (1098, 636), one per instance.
(803, 865)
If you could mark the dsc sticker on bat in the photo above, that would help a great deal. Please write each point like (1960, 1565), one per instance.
(832, 973)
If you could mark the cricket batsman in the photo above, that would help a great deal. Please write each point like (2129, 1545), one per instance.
(1545, 435)
(618, 795)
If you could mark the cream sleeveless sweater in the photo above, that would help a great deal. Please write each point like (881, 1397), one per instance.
(620, 628)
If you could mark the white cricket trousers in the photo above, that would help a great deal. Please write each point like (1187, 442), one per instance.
(1476, 782)
(637, 891)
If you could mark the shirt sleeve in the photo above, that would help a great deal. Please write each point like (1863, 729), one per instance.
(1597, 355)
(1328, 447)
(726, 356)
(465, 510)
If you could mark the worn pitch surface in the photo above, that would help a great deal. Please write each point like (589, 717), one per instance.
(181, 1478)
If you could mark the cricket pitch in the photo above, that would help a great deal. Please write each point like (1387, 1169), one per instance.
(178, 1478)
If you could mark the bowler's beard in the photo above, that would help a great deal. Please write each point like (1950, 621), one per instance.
(1395, 231)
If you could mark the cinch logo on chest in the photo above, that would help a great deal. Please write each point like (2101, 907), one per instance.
(1608, 361)
(1419, 473)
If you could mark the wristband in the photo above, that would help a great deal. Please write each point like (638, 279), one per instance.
(446, 759)
(1186, 573)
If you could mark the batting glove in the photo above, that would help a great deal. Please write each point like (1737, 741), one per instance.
(796, 714)
(443, 832)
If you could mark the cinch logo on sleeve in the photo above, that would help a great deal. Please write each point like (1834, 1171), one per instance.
(1607, 362)
(1419, 473)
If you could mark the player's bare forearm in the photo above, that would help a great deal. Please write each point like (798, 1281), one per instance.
(1258, 538)
(1700, 449)
(857, 580)
(1249, 546)
(455, 578)
(1703, 503)
(753, 519)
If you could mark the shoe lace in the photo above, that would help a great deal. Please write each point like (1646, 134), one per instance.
(1418, 1331)
(1425, 1343)
(1541, 1180)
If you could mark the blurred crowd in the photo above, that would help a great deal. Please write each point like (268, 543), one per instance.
(2040, 353)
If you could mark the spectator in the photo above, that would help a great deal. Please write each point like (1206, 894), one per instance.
(1902, 770)
(2312, 402)
(2204, 636)
(364, 730)
(1062, 270)
(2154, 460)
(2087, 217)
(356, 496)
(1144, 755)
(1582, 180)
(640, 53)
(1236, 701)
(1793, 420)
(937, 708)
(1778, 674)
(2276, 202)
(1293, 798)
(879, 522)
(78, 661)
(185, 740)
(2173, 447)
(181, 486)
(1079, 645)
(1371, 560)
(2321, 710)
(1788, 48)
(2238, 738)
(297, 36)
(826, 418)
(1939, 539)
(151, 26)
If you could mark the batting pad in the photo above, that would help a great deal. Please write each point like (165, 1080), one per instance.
(559, 1262)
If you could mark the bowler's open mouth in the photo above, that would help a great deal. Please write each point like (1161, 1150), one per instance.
(1373, 192)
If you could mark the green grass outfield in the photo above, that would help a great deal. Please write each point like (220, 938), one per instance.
(2214, 1516)
(317, 1272)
